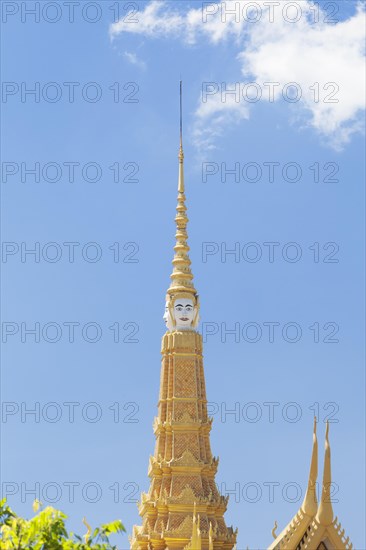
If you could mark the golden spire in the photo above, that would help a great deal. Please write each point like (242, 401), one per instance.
(182, 276)
(325, 510)
(310, 504)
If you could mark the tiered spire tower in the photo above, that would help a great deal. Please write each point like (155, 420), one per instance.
(183, 508)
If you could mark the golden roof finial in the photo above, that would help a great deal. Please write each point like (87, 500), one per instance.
(37, 504)
(182, 277)
(274, 534)
(325, 510)
(310, 504)
(210, 538)
(196, 539)
(88, 533)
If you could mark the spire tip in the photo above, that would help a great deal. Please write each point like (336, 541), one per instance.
(181, 154)
(180, 111)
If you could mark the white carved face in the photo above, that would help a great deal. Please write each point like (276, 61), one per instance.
(167, 318)
(184, 312)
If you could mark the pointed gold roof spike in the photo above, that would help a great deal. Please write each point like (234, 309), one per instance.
(325, 510)
(196, 539)
(88, 533)
(182, 277)
(210, 538)
(310, 504)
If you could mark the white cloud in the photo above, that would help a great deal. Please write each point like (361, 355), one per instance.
(134, 60)
(309, 54)
(213, 116)
(273, 51)
(156, 20)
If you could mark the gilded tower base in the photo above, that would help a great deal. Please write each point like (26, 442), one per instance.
(183, 502)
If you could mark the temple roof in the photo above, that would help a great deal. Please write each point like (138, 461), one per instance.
(314, 526)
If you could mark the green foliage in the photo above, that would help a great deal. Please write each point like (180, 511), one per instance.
(47, 531)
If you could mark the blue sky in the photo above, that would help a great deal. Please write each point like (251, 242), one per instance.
(311, 142)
